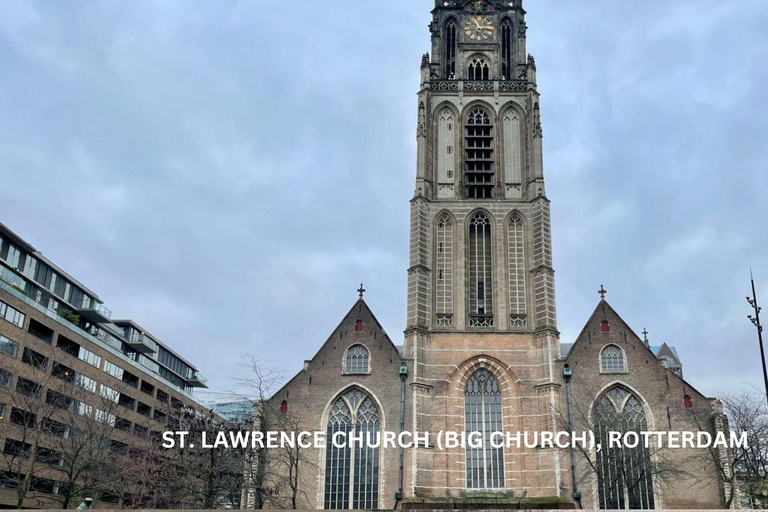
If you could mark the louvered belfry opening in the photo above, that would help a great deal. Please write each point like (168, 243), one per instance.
(479, 157)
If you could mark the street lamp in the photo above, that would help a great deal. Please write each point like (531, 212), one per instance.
(756, 321)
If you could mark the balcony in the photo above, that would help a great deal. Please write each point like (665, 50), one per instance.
(93, 311)
(195, 380)
(140, 343)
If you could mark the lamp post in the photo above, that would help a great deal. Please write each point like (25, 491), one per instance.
(567, 374)
(756, 321)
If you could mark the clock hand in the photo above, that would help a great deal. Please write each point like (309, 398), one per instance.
(477, 23)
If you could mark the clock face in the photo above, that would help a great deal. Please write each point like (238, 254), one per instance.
(479, 28)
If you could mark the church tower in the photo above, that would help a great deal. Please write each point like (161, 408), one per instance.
(481, 328)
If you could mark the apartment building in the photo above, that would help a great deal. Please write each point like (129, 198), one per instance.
(59, 346)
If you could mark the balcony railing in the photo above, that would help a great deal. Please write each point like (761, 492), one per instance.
(481, 321)
(480, 85)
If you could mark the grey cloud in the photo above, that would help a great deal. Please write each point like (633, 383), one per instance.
(228, 172)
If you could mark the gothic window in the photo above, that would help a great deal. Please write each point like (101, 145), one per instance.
(482, 415)
(517, 271)
(445, 142)
(478, 69)
(624, 475)
(512, 148)
(450, 50)
(478, 144)
(352, 472)
(612, 360)
(444, 267)
(480, 271)
(357, 360)
(506, 50)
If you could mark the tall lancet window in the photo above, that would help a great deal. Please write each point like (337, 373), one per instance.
(506, 50)
(624, 479)
(480, 271)
(517, 271)
(352, 472)
(444, 271)
(482, 416)
(478, 146)
(478, 69)
(513, 162)
(450, 49)
(446, 157)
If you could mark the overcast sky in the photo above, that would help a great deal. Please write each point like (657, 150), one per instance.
(227, 173)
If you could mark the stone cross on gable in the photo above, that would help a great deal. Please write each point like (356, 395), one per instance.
(602, 292)
(361, 290)
(645, 335)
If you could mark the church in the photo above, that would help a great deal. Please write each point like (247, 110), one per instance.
(482, 351)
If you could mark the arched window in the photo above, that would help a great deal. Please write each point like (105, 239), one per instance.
(688, 402)
(612, 360)
(482, 416)
(478, 146)
(624, 475)
(357, 360)
(359, 326)
(605, 326)
(352, 472)
(513, 162)
(444, 271)
(284, 407)
(478, 69)
(450, 49)
(506, 49)
(517, 272)
(446, 156)
(480, 271)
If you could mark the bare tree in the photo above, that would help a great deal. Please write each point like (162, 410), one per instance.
(743, 470)
(32, 405)
(259, 383)
(635, 468)
(289, 462)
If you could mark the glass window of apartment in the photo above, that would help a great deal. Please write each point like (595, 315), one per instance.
(50, 457)
(30, 266)
(12, 315)
(109, 393)
(14, 256)
(17, 449)
(2, 411)
(34, 359)
(55, 428)
(105, 417)
(59, 400)
(21, 417)
(113, 370)
(144, 409)
(84, 409)
(5, 378)
(89, 357)
(8, 347)
(86, 383)
(28, 388)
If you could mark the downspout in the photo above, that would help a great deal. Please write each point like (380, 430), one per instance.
(567, 374)
(403, 378)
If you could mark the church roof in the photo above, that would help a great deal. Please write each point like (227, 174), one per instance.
(359, 310)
